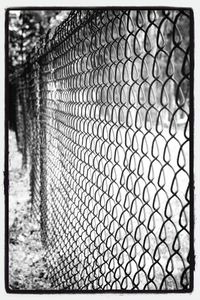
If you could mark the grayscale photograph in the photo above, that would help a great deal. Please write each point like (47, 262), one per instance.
(99, 106)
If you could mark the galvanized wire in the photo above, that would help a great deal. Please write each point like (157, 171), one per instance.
(105, 104)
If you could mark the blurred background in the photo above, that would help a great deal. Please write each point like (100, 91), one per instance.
(27, 265)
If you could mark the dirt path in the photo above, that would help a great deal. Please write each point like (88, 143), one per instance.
(27, 268)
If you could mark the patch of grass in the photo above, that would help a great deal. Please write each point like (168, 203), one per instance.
(27, 265)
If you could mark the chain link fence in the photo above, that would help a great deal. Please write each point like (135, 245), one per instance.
(103, 121)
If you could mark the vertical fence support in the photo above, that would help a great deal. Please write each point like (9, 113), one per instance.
(110, 163)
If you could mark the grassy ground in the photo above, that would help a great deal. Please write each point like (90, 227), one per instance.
(27, 266)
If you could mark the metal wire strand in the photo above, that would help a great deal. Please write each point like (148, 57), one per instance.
(103, 118)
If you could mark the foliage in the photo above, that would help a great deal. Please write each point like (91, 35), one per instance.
(26, 27)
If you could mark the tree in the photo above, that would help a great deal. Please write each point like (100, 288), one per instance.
(26, 28)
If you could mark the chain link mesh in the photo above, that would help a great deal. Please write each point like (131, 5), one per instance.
(104, 113)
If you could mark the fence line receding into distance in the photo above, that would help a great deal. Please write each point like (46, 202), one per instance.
(103, 120)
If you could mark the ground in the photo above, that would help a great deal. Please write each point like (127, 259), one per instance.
(27, 266)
